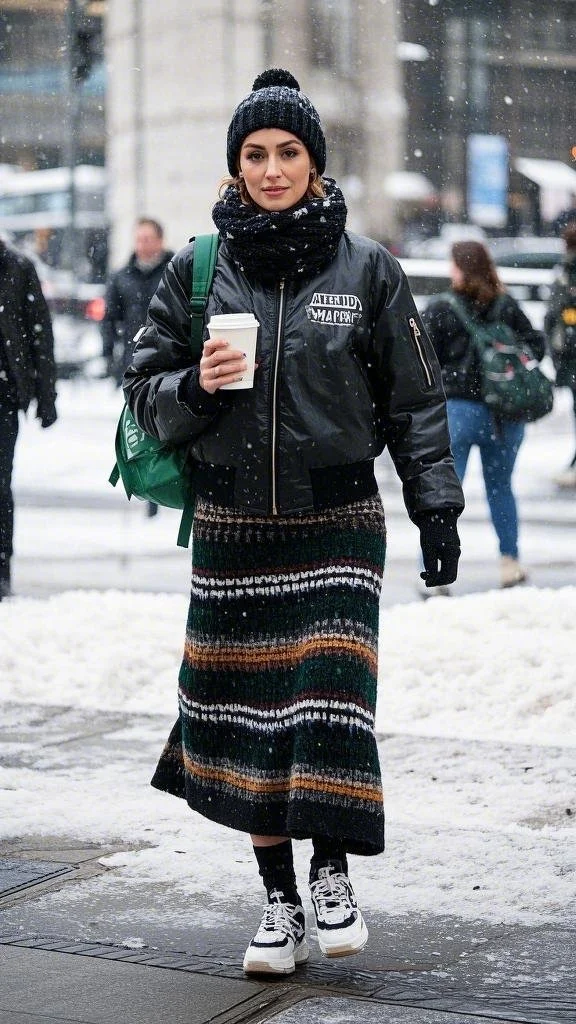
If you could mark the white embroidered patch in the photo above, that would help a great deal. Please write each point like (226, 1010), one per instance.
(342, 310)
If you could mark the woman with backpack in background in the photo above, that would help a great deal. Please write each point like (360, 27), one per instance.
(560, 328)
(278, 684)
(476, 284)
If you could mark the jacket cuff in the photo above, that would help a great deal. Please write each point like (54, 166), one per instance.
(194, 398)
(449, 515)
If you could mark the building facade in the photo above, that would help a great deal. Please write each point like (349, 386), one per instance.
(503, 68)
(400, 85)
(40, 108)
(176, 72)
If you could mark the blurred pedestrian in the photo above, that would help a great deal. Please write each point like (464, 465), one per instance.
(278, 684)
(564, 218)
(27, 373)
(560, 328)
(475, 281)
(128, 296)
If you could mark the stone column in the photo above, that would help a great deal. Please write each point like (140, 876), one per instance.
(383, 113)
(176, 72)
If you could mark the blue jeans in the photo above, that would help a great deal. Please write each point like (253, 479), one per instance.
(471, 423)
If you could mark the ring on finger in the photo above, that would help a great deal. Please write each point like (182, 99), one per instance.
(216, 370)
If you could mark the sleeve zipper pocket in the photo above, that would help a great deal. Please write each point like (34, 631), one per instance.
(416, 335)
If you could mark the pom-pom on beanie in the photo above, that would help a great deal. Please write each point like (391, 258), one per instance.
(276, 102)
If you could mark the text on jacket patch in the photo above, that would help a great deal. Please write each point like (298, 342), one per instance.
(326, 308)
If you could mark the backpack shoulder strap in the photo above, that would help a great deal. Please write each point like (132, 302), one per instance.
(498, 306)
(204, 262)
(458, 307)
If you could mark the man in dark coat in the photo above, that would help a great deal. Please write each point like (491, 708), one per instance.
(129, 292)
(127, 299)
(27, 372)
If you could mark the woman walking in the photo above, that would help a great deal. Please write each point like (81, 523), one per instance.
(475, 282)
(277, 695)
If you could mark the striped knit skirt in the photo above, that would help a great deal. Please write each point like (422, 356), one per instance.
(278, 682)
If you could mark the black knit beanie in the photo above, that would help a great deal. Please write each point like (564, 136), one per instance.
(276, 102)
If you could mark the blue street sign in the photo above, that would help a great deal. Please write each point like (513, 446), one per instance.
(487, 180)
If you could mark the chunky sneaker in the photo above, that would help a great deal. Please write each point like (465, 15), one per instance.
(339, 922)
(280, 942)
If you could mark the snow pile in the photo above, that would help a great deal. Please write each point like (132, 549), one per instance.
(116, 650)
(493, 666)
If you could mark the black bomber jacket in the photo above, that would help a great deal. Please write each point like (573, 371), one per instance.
(344, 368)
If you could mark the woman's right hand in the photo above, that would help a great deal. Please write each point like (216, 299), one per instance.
(220, 365)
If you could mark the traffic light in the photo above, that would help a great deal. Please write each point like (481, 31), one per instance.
(86, 48)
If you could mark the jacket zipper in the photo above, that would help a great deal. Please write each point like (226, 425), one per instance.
(416, 335)
(275, 368)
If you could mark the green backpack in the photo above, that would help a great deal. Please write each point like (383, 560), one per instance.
(513, 385)
(160, 471)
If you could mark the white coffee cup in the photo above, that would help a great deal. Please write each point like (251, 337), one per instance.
(241, 331)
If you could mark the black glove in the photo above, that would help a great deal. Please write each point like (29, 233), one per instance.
(47, 414)
(440, 543)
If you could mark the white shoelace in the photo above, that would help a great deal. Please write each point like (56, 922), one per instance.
(330, 892)
(280, 917)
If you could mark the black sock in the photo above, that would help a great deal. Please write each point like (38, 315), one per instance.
(326, 848)
(276, 866)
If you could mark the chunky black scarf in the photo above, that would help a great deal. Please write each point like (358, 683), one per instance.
(282, 243)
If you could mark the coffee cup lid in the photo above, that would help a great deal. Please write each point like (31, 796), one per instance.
(233, 320)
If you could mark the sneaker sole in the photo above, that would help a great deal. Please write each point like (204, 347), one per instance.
(345, 948)
(514, 583)
(257, 964)
(429, 595)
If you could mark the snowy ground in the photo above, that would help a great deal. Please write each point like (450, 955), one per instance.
(69, 464)
(476, 713)
(477, 752)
